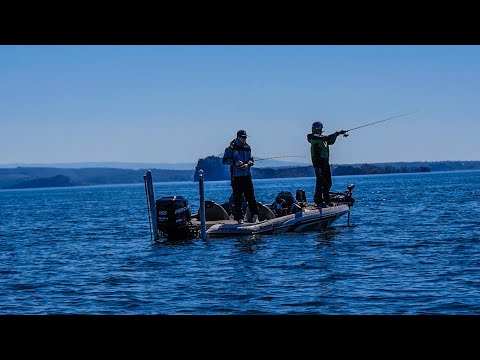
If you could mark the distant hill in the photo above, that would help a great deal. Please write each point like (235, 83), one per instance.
(32, 177)
(111, 165)
(136, 166)
(214, 170)
(54, 181)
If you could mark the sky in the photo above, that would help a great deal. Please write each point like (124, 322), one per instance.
(176, 104)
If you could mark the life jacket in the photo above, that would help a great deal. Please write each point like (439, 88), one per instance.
(319, 146)
(228, 154)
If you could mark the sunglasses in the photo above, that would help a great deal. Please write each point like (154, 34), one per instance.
(243, 136)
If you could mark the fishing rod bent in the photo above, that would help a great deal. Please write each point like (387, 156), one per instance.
(376, 122)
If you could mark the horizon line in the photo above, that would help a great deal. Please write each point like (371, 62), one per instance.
(188, 163)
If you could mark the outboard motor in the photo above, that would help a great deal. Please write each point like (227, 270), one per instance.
(174, 217)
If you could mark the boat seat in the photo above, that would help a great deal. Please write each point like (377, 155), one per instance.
(264, 212)
(214, 212)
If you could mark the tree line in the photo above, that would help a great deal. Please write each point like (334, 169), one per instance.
(33, 177)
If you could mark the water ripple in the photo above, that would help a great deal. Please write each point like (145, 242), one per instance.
(413, 248)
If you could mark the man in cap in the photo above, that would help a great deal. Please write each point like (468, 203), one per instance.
(319, 149)
(239, 156)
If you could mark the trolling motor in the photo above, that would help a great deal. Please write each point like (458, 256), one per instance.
(348, 195)
(345, 197)
(350, 199)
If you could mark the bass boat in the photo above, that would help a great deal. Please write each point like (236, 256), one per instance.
(170, 217)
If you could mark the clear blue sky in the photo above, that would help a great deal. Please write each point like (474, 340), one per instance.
(181, 103)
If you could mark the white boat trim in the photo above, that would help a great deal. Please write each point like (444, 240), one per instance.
(308, 219)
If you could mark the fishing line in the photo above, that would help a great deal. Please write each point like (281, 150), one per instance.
(278, 157)
(191, 183)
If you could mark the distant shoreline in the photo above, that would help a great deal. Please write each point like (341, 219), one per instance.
(43, 177)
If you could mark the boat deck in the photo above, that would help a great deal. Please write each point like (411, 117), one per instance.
(310, 218)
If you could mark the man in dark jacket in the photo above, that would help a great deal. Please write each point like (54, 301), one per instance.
(239, 156)
(319, 148)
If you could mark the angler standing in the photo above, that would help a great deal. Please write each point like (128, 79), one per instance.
(320, 152)
(239, 156)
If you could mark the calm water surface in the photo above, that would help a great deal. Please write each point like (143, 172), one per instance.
(414, 249)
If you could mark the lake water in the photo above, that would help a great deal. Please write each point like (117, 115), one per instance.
(414, 249)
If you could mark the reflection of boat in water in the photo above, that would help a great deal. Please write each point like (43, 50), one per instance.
(170, 216)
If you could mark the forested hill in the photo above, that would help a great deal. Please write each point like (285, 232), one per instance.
(33, 177)
(215, 170)
(27, 177)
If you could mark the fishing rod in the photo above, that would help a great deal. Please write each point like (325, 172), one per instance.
(278, 157)
(376, 122)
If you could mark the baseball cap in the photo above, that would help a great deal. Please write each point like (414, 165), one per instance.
(241, 133)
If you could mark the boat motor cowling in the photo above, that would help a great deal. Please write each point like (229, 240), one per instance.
(173, 215)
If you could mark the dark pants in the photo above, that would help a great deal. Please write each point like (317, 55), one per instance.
(323, 183)
(243, 186)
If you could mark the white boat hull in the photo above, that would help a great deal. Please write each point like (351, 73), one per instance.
(309, 219)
